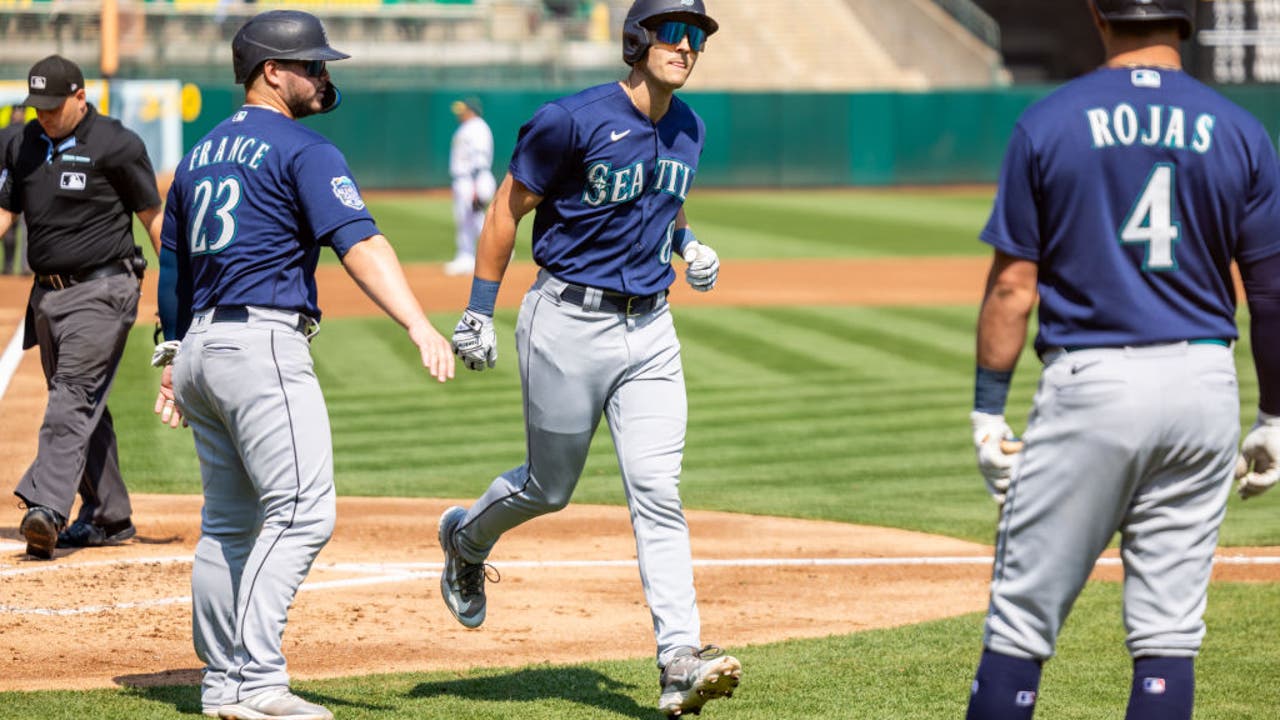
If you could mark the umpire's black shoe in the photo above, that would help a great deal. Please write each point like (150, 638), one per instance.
(85, 534)
(40, 527)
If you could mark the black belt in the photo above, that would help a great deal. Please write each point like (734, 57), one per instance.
(66, 280)
(1195, 341)
(240, 313)
(614, 301)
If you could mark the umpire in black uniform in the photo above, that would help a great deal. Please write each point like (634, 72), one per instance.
(79, 177)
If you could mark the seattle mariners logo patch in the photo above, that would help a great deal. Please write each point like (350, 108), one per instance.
(72, 181)
(344, 188)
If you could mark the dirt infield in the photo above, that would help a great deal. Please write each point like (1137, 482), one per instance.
(570, 590)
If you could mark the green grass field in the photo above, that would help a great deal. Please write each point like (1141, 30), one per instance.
(849, 414)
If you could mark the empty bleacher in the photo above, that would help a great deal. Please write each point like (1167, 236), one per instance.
(767, 45)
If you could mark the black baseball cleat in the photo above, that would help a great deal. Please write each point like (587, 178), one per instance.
(40, 528)
(86, 534)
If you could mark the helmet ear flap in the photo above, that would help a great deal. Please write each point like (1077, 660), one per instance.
(635, 43)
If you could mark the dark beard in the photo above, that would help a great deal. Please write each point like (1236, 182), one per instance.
(300, 108)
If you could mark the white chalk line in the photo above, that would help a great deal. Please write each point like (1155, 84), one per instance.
(381, 573)
(10, 359)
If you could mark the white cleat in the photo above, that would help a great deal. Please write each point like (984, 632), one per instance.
(460, 265)
(274, 704)
(694, 677)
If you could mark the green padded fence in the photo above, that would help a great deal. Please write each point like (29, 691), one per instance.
(400, 138)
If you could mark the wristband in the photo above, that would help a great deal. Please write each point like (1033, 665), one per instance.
(991, 390)
(681, 239)
(484, 295)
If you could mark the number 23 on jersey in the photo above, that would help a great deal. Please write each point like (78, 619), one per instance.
(223, 196)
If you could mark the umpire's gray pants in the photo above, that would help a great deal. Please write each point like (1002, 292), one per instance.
(261, 430)
(81, 331)
(575, 365)
(1136, 440)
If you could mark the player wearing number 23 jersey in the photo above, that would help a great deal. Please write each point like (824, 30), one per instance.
(244, 186)
(251, 205)
(1124, 199)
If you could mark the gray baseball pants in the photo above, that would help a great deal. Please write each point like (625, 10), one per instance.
(81, 331)
(261, 428)
(577, 364)
(1140, 441)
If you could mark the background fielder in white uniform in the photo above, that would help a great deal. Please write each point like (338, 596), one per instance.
(471, 170)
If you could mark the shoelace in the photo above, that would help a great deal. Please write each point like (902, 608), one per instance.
(681, 667)
(471, 577)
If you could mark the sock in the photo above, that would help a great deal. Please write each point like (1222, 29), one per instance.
(1006, 688)
(1164, 688)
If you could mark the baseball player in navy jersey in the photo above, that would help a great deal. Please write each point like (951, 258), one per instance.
(606, 172)
(1123, 199)
(251, 206)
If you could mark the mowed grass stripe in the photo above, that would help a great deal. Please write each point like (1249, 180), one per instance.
(767, 353)
(874, 336)
(960, 210)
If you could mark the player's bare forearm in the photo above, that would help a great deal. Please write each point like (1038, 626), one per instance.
(153, 219)
(510, 203)
(374, 266)
(6, 220)
(1006, 307)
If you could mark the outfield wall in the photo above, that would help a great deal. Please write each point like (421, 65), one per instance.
(400, 139)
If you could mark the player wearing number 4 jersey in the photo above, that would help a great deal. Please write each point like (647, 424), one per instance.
(1123, 200)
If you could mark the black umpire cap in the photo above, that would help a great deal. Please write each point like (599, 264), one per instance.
(51, 81)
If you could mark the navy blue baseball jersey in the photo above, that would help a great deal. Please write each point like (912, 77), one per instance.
(1131, 178)
(250, 207)
(612, 183)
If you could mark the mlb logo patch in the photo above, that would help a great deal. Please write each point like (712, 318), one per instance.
(1153, 686)
(72, 181)
(38, 82)
(1146, 78)
(344, 188)
(239, 116)
(1025, 698)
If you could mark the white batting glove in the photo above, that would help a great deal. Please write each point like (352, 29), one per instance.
(1259, 465)
(165, 353)
(997, 449)
(475, 342)
(703, 266)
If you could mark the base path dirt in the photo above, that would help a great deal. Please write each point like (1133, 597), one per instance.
(569, 589)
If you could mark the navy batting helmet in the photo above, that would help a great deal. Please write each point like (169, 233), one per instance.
(1123, 11)
(644, 14)
(279, 35)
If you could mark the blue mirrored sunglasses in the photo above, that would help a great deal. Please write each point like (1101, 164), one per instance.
(671, 31)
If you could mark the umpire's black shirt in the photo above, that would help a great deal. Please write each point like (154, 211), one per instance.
(78, 193)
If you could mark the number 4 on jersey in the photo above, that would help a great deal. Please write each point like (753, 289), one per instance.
(1150, 220)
